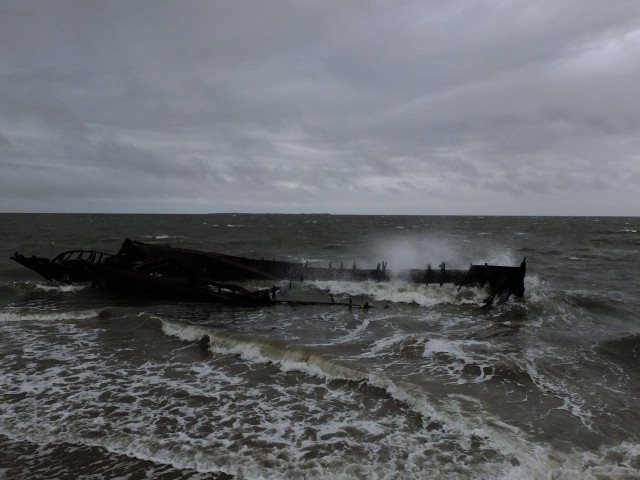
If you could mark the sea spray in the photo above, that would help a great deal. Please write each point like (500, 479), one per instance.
(403, 292)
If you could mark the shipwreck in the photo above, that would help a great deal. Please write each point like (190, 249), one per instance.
(172, 272)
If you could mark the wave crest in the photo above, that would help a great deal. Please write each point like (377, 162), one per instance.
(403, 292)
(51, 316)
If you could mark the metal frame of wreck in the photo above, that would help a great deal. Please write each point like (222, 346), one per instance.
(507, 280)
(164, 270)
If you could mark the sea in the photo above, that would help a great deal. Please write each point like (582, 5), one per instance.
(425, 384)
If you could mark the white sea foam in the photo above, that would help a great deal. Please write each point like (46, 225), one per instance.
(196, 415)
(456, 357)
(295, 359)
(292, 359)
(49, 316)
(132, 429)
(353, 334)
(51, 287)
(572, 402)
(620, 461)
(384, 344)
(403, 292)
(163, 236)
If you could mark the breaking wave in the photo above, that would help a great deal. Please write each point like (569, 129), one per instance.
(538, 460)
(292, 358)
(42, 286)
(300, 359)
(63, 288)
(163, 238)
(51, 316)
(402, 292)
(264, 351)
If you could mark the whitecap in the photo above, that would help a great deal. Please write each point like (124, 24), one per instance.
(64, 288)
(49, 316)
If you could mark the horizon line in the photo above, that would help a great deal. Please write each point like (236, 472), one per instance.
(336, 214)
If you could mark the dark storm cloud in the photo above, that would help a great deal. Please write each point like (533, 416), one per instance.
(373, 107)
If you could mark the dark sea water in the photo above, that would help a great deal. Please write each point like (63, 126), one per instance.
(426, 385)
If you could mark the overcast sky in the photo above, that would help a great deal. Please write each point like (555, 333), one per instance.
(378, 107)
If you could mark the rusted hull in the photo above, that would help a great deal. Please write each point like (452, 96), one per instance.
(165, 271)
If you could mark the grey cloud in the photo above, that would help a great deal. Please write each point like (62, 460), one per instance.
(410, 107)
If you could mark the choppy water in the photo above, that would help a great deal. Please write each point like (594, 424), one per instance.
(425, 385)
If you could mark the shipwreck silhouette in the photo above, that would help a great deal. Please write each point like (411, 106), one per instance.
(171, 272)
